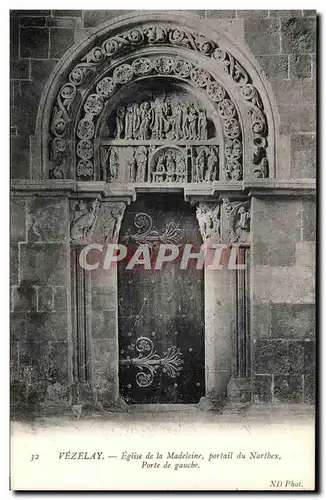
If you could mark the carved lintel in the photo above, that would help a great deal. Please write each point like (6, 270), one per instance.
(83, 217)
(238, 215)
(208, 217)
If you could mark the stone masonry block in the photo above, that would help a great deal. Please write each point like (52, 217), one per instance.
(308, 220)
(277, 219)
(285, 13)
(14, 38)
(282, 252)
(19, 156)
(303, 156)
(274, 66)
(220, 14)
(288, 389)
(293, 320)
(32, 21)
(18, 326)
(104, 357)
(34, 43)
(58, 361)
(104, 325)
(95, 17)
(60, 302)
(19, 70)
(252, 14)
(14, 361)
(14, 264)
(51, 326)
(60, 41)
(284, 284)
(31, 13)
(104, 299)
(24, 297)
(262, 35)
(17, 219)
(309, 357)
(33, 361)
(309, 13)
(42, 69)
(45, 298)
(25, 110)
(298, 35)
(48, 219)
(271, 357)
(64, 22)
(305, 253)
(260, 318)
(262, 389)
(67, 13)
(44, 263)
(309, 389)
(300, 66)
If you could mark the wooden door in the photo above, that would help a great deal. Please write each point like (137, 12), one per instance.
(161, 312)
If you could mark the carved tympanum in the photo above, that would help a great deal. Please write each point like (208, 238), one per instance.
(154, 119)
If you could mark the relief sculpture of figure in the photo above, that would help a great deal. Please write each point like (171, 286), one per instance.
(83, 220)
(132, 168)
(120, 122)
(129, 122)
(184, 121)
(192, 121)
(181, 170)
(176, 122)
(212, 160)
(113, 165)
(145, 120)
(136, 119)
(200, 166)
(170, 166)
(202, 126)
(160, 170)
(141, 159)
(159, 123)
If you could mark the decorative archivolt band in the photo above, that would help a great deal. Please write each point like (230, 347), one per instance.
(156, 35)
(162, 66)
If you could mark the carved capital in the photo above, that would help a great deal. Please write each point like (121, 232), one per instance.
(208, 217)
(238, 216)
(83, 217)
(114, 211)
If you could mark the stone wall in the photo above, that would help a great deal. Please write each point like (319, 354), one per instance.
(283, 43)
(283, 300)
(40, 269)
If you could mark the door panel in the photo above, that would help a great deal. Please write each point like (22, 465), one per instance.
(161, 312)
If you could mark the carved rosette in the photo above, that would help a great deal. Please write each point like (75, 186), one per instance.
(238, 215)
(155, 35)
(209, 221)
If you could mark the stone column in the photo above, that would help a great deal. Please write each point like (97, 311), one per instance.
(95, 305)
(218, 309)
(237, 220)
